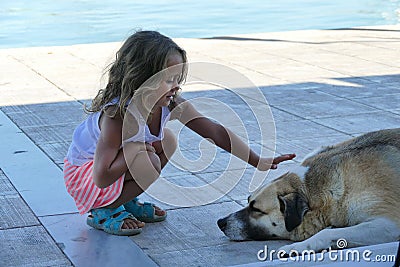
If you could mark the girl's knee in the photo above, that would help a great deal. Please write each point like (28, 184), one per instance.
(169, 142)
(147, 161)
(155, 161)
(145, 169)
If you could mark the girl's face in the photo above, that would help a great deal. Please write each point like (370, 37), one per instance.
(169, 86)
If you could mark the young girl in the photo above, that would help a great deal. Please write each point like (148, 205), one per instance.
(105, 171)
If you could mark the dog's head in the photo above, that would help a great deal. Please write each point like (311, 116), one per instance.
(272, 212)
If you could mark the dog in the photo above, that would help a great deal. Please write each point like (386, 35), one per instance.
(349, 191)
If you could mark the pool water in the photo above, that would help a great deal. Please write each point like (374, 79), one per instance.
(65, 22)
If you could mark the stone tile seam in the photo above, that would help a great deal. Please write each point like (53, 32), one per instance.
(312, 118)
(241, 66)
(82, 59)
(57, 214)
(209, 204)
(330, 51)
(358, 57)
(306, 63)
(21, 227)
(17, 193)
(357, 100)
(33, 141)
(45, 78)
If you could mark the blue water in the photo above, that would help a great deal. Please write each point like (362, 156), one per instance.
(64, 22)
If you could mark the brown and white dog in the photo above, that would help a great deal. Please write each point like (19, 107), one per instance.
(347, 191)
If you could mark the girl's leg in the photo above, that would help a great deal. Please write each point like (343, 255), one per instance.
(147, 168)
(144, 170)
(166, 148)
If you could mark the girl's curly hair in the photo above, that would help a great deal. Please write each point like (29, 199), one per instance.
(142, 55)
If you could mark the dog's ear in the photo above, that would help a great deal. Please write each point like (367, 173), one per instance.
(294, 207)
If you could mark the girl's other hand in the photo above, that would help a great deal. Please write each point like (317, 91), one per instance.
(268, 163)
(150, 148)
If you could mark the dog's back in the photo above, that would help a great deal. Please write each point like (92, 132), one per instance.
(387, 137)
(364, 177)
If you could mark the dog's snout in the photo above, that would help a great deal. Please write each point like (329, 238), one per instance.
(222, 223)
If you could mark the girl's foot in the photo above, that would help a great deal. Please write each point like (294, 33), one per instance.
(114, 221)
(145, 212)
(128, 222)
(132, 224)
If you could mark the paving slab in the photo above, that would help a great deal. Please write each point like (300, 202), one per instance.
(361, 123)
(30, 246)
(6, 187)
(382, 102)
(89, 247)
(15, 213)
(37, 115)
(322, 87)
(306, 145)
(23, 162)
(361, 88)
(238, 187)
(331, 108)
(288, 130)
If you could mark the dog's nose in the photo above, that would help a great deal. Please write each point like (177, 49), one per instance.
(222, 223)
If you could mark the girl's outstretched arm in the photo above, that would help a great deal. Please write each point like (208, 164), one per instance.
(225, 138)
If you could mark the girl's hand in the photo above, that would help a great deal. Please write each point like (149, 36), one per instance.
(150, 148)
(268, 163)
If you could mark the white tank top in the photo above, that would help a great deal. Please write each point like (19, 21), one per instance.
(86, 135)
(144, 134)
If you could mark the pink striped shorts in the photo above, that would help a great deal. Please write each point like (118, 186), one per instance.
(79, 183)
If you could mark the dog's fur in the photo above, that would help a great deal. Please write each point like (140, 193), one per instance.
(350, 190)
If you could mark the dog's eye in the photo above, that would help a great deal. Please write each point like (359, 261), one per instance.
(257, 210)
(254, 209)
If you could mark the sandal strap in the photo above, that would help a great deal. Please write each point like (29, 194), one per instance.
(148, 210)
(105, 213)
(114, 225)
(145, 210)
(136, 201)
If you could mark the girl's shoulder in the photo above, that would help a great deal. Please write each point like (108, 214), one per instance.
(182, 108)
(116, 108)
(176, 107)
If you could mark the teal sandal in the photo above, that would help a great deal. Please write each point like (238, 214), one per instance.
(111, 221)
(145, 212)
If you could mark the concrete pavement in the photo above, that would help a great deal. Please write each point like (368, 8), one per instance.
(322, 87)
